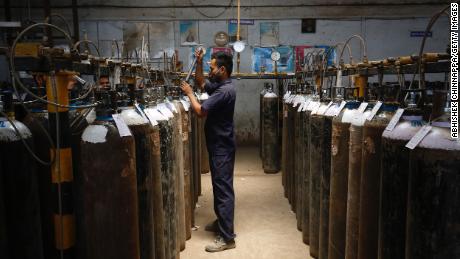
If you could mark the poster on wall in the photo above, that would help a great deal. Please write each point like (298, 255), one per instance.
(232, 31)
(286, 62)
(262, 62)
(300, 53)
(269, 34)
(331, 56)
(188, 33)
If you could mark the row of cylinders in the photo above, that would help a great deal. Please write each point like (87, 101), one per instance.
(358, 192)
(131, 195)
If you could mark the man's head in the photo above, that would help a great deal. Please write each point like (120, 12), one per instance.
(104, 82)
(221, 67)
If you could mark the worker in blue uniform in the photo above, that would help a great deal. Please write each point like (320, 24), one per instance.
(220, 141)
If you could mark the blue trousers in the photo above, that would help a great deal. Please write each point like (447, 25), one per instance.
(224, 196)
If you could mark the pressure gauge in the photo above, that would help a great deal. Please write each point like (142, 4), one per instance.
(238, 46)
(275, 56)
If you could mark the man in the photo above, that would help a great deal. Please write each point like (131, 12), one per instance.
(104, 83)
(220, 141)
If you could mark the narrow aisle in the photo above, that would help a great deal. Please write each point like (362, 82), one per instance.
(264, 223)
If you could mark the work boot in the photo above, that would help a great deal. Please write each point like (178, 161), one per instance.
(220, 245)
(212, 227)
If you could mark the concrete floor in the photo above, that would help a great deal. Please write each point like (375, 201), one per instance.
(264, 223)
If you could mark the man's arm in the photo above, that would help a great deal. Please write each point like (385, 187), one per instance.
(196, 106)
(199, 77)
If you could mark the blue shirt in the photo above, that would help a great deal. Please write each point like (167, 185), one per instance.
(219, 127)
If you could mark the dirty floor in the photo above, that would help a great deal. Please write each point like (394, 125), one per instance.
(264, 223)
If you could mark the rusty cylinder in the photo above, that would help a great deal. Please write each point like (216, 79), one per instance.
(325, 184)
(178, 169)
(143, 138)
(339, 179)
(270, 158)
(261, 124)
(394, 183)
(298, 161)
(159, 220)
(354, 180)
(107, 193)
(370, 181)
(291, 156)
(306, 173)
(168, 179)
(433, 212)
(316, 141)
(198, 155)
(193, 164)
(284, 145)
(184, 111)
(204, 150)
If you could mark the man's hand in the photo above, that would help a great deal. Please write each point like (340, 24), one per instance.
(199, 55)
(186, 88)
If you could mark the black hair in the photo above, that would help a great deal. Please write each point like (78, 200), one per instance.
(224, 59)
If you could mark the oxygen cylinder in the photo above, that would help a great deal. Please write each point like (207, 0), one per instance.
(106, 188)
(158, 209)
(394, 184)
(145, 98)
(167, 178)
(184, 109)
(37, 122)
(271, 163)
(298, 158)
(198, 155)
(196, 159)
(178, 166)
(291, 152)
(370, 181)
(20, 215)
(261, 115)
(143, 138)
(339, 179)
(354, 180)
(168, 152)
(306, 172)
(316, 144)
(204, 150)
(325, 159)
(433, 211)
(284, 144)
